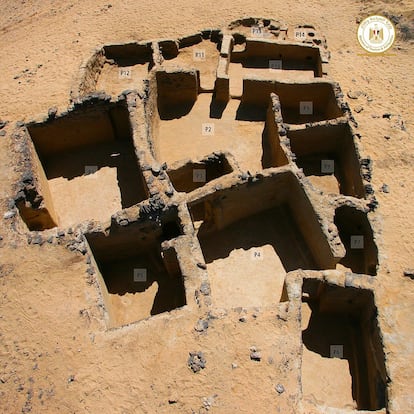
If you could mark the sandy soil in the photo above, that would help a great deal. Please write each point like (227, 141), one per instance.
(56, 354)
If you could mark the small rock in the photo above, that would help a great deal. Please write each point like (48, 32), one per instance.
(52, 112)
(201, 326)
(385, 188)
(71, 379)
(90, 271)
(387, 137)
(205, 288)
(169, 192)
(255, 356)
(2, 133)
(70, 230)
(2, 124)
(61, 233)
(37, 239)
(196, 361)
(243, 318)
(234, 365)
(409, 273)
(124, 222)
(354, 94)
(19, 124)
(9, 214)
(387, 115)
(280, 388)
(202, 265)
(50, 240)
(156, 168)
(172, 400)
(358, 109)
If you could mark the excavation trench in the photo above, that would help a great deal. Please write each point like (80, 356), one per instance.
(193, 175)
(138, 278)
(342, 347)
(357, 236)
(253, 234)
(328, 158)
(89, 163)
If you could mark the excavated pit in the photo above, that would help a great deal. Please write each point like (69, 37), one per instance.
(252, 234)
(328, 157)
(294, 99)
(270, 60)
(138, 277)
(188, 126)
(194, 53)
(357, 236)
(193, 175)
(90, 164)
(125, 66)
(342, 343)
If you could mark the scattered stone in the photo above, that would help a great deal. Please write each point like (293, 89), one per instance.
(52, 112)
(208, 402)
(387, 137)
(280, 389)
(358, 109)
(156, 168)
(354, 94)
(71, 379)
(3, 124)
(2, 133)
(243, 318)
(387, 115)
(60, 233)
(70, 230)
(196, 361)
(9, 214)
(205, 288)
(255, 355)
(217, 314)
(90, 271)
(385, 188)
(234, 365)
(37, 239)
(19, 124)
(409, 273)
(202, 265)
(202, 325)
(172, 400)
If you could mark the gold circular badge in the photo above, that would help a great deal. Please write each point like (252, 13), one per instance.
(376, 34)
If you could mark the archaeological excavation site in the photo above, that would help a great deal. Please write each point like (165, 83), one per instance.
(219, 178)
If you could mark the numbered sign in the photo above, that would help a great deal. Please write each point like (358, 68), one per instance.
(125, 73)
(306, 108)
(337, 351)
(327, 166)
(207, 128)
(257, 31)
(357, 242)
(140, 275)
(257, 254)
(90, 169)
(199, 175)
(199, 55)
(300, 34)
(275, 64)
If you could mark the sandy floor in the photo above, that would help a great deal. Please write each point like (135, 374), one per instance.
(185, 138)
